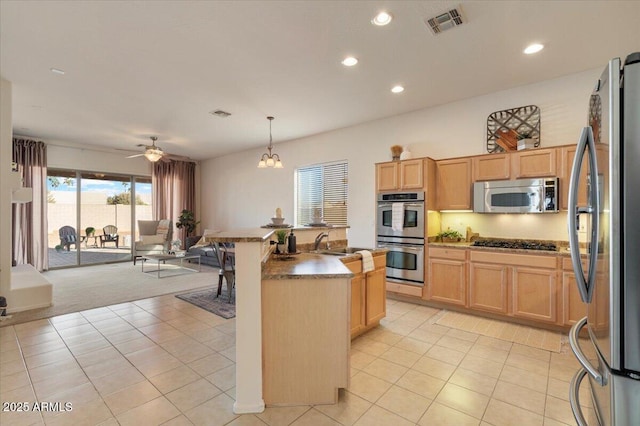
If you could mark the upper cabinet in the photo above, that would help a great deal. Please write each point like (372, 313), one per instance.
(534, 163)
(491, 167)
(454, 184)
(400, 175)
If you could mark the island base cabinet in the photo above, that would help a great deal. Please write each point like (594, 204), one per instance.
(305, 340)
(376, 297)
(368, 294)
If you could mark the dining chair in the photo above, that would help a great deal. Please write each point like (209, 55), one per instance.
(226, 259)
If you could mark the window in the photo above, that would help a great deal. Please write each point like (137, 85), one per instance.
(323, 189)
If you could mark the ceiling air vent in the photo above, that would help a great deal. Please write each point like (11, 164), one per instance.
(220, 113)
(444, 21)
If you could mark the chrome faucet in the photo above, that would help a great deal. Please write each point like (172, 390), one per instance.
(319, 238)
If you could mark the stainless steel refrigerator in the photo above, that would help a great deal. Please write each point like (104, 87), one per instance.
(610, 283)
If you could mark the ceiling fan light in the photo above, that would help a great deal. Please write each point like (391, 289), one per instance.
(153, 155)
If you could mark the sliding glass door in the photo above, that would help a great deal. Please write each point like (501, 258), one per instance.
(99, 211)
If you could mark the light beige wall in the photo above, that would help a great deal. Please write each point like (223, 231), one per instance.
(5, 190)
(237, 194)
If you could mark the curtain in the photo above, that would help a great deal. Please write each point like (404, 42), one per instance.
(174, 190)
(30, 236)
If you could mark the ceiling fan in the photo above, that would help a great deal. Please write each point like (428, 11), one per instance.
(154, 153)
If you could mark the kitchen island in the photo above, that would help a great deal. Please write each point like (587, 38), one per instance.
(305, 329)
(292, 324)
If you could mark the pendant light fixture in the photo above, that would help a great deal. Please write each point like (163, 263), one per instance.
(269, 159)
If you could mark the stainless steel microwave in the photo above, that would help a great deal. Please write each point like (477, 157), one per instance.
(516, 196)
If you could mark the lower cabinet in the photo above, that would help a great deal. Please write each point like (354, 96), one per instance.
(488, 285)
(517, 285)
(368, 294)
(534, 293)
(573, 308)
(447, 276)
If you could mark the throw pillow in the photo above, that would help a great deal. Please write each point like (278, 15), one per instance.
(152, 239)
(163, 228)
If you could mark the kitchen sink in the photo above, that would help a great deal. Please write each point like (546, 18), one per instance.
(340, 251)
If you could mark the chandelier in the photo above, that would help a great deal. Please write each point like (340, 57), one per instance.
(269, 159)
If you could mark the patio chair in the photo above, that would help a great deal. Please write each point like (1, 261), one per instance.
(68, 236)
(110, 235)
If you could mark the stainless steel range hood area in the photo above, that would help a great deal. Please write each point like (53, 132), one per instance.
(538, 195)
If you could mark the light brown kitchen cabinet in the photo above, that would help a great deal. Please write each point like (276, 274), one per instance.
(533, 163)
(573, 308)
(534, 293)
(523, 286)
(488, 287)
(400, 175)
(454, 184)
(491, 167)
(357, 296)
(447, 276)
(375, 297)
(368, 294)
(387, 176)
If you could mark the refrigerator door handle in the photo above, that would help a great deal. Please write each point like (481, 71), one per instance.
(582, 359)
(574, 397)
(584, 283)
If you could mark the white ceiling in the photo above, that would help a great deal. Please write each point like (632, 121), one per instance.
(136, 69)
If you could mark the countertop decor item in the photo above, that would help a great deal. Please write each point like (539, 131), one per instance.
(406, 154)
(504, 127)
(270, 159)
(396, 150)
(450, 236)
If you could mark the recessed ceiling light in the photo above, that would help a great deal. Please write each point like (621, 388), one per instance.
(349, 61)
(533, 48)
(397, 89)
(381, 19)
(57, 71)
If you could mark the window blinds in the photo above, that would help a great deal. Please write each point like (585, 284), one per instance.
(322, 188)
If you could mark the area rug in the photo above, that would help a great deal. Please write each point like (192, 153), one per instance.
(522, 334)
(207, 300)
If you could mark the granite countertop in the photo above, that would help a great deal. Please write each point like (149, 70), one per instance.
(305, 265)
(305, 227)
(242, 235)
(562, 250)
(312, 265)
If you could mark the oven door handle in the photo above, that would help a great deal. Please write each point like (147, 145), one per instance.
(406, 204)
(415, 248)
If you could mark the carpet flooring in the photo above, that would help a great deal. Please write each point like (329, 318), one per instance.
(79, 289)
(207, 300)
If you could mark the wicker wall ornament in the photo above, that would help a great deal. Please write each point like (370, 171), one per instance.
(505, 127)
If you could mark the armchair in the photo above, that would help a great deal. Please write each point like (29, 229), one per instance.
(155, 238)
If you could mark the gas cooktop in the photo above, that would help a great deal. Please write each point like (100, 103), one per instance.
(516, 244)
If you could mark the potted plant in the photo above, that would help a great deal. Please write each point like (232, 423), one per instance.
(89, 231)
(281, 235)
(187, 221)
(450, 236)
(59, 248)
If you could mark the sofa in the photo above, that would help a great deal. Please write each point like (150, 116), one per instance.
(206, 251)
(155, 238)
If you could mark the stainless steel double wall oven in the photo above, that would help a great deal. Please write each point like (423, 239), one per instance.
(403, 234)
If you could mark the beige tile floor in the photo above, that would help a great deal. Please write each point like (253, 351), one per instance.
(164, 361)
